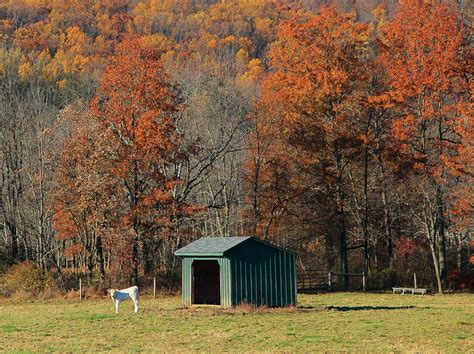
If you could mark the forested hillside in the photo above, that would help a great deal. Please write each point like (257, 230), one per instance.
(342, 130)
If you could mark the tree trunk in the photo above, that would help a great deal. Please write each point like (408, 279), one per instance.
(255, 192)
(14, 239)
(389, 239)
(147, 257)
(366, 212)
(387, 221)
(135, 263)
(90, 265)
(442, 236)
(437, 273)
(459, 252)
(344, 264)
(329, 249)
(340, 200)
(100, 257)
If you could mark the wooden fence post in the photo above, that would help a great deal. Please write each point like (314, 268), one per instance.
(414, 278)
(154, 288)
(329, 281)
(363, 281)
(80, 289)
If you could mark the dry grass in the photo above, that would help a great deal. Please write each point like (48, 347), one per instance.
(330, 322)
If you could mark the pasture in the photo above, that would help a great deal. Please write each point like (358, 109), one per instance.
(326, 322)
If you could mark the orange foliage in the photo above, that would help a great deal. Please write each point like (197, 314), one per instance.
(424, 54)
(139, 105)
(422, 51)
(304, 121)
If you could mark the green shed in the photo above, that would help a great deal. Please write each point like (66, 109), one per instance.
(228, 271)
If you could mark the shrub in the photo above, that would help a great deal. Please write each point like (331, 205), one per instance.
(26, 278)
(461, 280)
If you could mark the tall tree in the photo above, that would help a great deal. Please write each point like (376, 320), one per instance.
(139, 105)
(312, 97)
(422, 57)
(79, 197)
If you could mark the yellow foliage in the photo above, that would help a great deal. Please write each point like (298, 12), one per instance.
(25, 71)
(142, 18)
(242, 57)
(380, 14)
(101, 45)
(51, 71)
(255, 67)
(78, 64)
(245, 43)
(229, 39)
(254, 70)
(62, 84)
(362, 41)
(37, 3)
(157, 41)
(199, 17)
(44, 56)
(168, 56)
(74, 40)
(68, 62)
(264, 25)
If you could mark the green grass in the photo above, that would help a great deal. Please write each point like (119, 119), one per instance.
(330, 322)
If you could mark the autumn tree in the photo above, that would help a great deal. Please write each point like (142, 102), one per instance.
(79, 197)
(460, 168)
(139, 105)
(422, 59)
(312, 97)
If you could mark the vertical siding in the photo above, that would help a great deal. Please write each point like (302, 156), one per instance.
(262, 275)
(294, 288)
(271, 284)
(186, 281)
(277, 271)
(225, 282)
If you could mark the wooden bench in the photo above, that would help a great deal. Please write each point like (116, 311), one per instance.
(408, 290)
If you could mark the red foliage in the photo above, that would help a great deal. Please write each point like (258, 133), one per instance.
(461, 280)
(64, 225)
(407, 247)
(73, 250)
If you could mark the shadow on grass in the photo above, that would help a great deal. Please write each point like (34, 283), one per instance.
(365, 308)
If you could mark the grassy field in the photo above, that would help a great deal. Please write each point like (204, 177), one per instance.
(328, 322)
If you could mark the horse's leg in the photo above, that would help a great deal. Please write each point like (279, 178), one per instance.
(117, 305)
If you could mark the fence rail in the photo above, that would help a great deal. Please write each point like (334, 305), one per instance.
(311, 281)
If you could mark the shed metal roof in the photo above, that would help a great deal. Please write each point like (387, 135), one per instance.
(217, 246)
(210, 246)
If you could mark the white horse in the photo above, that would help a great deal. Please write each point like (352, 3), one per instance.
(119, 295)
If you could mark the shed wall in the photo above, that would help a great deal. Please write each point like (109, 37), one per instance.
(262, 275)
